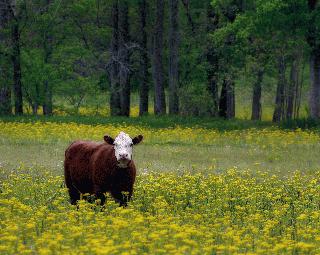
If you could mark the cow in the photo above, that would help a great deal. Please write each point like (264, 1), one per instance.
(96, 168)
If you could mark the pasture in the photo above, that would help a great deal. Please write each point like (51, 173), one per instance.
(200, 189)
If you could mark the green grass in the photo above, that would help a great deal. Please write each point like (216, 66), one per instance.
(237, 192)
(170, 121)
(176, 157)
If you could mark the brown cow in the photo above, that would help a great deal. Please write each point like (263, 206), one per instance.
(96, 168)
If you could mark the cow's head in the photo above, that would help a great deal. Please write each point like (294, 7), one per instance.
(123, 147)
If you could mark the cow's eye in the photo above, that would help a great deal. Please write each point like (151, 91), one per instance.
(131, 144)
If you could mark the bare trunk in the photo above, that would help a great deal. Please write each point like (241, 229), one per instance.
(314, 96)
(298, 93)
(47, 104)
(115, 105)
(256, 96)
(231, 107)
(280, 96)
(35, 108)
(314, 102)
(144, 87)
(5, 91)
(186, 5)
(213, 64)
(17, 86)
(213, 90)
(36, 100)
(158, 73)
(223, 100)
(124, 70)
(173, 57)
(5, 100)
(227, 99)
(293, 86)
(47, 100)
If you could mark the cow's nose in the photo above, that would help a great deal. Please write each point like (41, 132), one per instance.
(123, 155)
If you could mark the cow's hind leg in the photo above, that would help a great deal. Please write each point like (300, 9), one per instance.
(74, 195)
(73, 191)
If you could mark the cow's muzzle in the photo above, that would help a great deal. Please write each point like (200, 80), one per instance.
(123, 162)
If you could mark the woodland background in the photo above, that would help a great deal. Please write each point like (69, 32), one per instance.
(191, 58)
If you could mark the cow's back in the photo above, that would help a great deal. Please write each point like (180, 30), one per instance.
(78, 172)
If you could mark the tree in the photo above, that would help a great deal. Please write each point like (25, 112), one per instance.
(173, 57)
(256, 95)
(5, 91)
(158, 73)
(213, 60)
(47, 45)
(15, 12)
(124, 58)
(144, 62)
(228, 52)
(279, 111)
(313, 40)
(115, 103)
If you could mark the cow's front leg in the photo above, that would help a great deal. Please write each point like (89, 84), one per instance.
(121, 197)
(99, 194)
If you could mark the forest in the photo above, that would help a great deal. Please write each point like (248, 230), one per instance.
(224, 93)
(190, 58)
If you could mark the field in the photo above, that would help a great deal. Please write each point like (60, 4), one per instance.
(202, 188)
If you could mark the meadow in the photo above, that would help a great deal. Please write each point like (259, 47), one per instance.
(203, 187)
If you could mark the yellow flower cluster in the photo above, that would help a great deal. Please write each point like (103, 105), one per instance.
(232, 213)
(50, 131)
(91, 111)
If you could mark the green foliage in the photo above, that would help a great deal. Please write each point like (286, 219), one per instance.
(195, 100)
(66, 44)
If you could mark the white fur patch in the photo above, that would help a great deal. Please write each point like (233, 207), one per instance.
(123, 149)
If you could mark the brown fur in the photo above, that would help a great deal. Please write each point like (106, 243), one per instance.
(91, 167)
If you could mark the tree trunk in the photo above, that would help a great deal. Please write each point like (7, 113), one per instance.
(315, 85)
(47, 100)
(47, 104)
(144, 87)
(158, 73)
(227, 99)
(124, 70)
(5, 100)
(17, 86)
(186, 5)
(314, 97)
(115, 105)
(213, 90)
(213, 64)
(256, 96)
(298, 92)
(278, 113)
(293, 87)
(231, 106)
(36, 100)
(173, 57)
(5, 91)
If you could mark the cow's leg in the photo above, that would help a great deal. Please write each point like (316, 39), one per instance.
(121, 197)
(73, 192)
(102, 197)
(74, 195)
(99, 194)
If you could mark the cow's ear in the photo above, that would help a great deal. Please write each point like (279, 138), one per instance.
(108, 139)
(137, 139)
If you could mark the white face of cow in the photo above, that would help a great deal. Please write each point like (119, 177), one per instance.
(123, 145)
